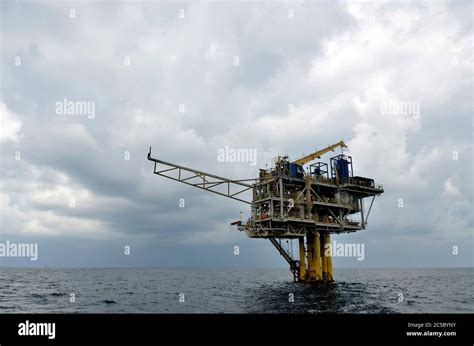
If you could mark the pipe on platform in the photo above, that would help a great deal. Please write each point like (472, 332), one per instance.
(309, 202)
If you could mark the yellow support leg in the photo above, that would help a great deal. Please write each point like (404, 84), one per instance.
(311, 257)
(323, 258)
(317, 252)
(302, 274)
(327, 241)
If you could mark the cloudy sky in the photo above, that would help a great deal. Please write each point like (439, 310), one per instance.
(190, 78)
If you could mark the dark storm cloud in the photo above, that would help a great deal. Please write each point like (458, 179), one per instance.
(335, 64)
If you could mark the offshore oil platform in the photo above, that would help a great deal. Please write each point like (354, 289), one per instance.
(292, 203)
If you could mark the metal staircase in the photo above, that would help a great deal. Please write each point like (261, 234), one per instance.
(294, 264)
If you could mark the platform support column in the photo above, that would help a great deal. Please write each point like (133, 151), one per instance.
(326, 257)
(302, 273)
(317, 253)
(323, 257)
(327, 240)
(314, 257)
(311, 262)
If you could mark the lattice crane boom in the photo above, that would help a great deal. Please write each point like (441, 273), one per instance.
(206, 181)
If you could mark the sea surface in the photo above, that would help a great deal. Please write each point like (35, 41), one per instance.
(158, 290)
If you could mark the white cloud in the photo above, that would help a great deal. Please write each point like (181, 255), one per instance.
(450, 189)
(10, 125)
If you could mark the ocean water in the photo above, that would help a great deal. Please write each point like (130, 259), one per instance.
(157, 290)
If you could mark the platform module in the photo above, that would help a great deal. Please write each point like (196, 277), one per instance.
(306, 199)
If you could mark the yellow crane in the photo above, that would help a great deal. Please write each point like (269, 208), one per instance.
(319, 153)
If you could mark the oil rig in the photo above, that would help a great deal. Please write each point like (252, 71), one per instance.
(290, 202)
